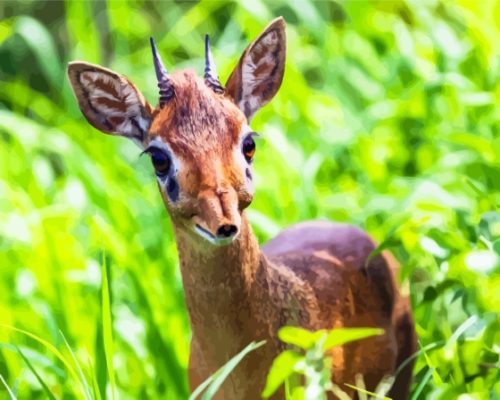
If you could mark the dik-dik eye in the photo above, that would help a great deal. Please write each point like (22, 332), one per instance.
(161, 161)
(248, 148)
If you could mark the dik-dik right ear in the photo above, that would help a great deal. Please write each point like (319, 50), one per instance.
(258, 75)
(109, 101)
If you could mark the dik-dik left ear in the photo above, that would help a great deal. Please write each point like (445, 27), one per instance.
(109, 101)
(258, 75)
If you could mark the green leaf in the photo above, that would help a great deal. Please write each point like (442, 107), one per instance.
(392, 239)
(299, 393)
(341, 336)
(282, 367)
(489, 226)
(299, 337)
(496, 246)
(388, 243)
(430, 294)
(6, 29)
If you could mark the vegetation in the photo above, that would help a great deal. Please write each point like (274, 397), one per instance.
(386, 119)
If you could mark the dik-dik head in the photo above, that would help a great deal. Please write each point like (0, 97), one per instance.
(198, 136)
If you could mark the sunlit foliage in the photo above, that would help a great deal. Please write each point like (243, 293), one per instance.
(386, 119)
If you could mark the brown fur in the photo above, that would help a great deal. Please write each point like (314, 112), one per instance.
(197, 119)
(314, 275)
(242, 294)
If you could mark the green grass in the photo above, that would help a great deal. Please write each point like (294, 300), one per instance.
(212, 384)
(387, 119)
(107, 327)
(308, 359)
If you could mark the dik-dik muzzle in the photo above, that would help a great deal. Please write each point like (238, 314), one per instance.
(219, 219)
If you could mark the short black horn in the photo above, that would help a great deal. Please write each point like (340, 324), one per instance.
(164, 82)
(211, 76)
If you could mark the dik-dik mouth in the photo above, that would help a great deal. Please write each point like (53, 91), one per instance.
(216, 240)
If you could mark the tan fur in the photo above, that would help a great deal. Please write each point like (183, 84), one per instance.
(314, 275)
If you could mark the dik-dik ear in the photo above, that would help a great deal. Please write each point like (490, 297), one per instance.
(109, 101)
(258, 75)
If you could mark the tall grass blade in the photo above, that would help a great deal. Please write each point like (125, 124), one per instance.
(95, 385)
(107, 325)
(422, 383)
(46, 389)
(83, 379)
(223, 373)
(157, 344)
(42, 44)
(33, 355)
(341, 395)
(49, 347)
(9, 391)
(415, 355)
(384, 386)
(363, 392)
(214, 382)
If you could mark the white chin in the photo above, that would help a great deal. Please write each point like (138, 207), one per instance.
(212, 239)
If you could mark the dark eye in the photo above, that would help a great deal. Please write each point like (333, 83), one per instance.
(248, 148)
(161, 161)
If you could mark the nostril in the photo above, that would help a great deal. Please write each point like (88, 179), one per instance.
(226, 231)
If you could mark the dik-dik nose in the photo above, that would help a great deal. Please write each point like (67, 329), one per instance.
(218, 219)
(226, 231)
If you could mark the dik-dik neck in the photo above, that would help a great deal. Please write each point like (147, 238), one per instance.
(221, 287)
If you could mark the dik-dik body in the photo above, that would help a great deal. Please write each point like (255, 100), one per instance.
(312, 275)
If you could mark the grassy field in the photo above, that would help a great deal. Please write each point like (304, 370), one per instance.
(387, 119)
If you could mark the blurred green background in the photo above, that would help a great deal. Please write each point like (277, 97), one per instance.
(386, 119)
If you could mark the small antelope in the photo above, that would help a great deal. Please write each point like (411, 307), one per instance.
(313, 274)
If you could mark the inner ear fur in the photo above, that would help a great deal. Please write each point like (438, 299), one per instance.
(259, 73)
(109, 101)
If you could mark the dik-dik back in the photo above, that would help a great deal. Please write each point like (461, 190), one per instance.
(313, 275)
(330, 260)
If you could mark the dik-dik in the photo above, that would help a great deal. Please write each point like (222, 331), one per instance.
(313, 274)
